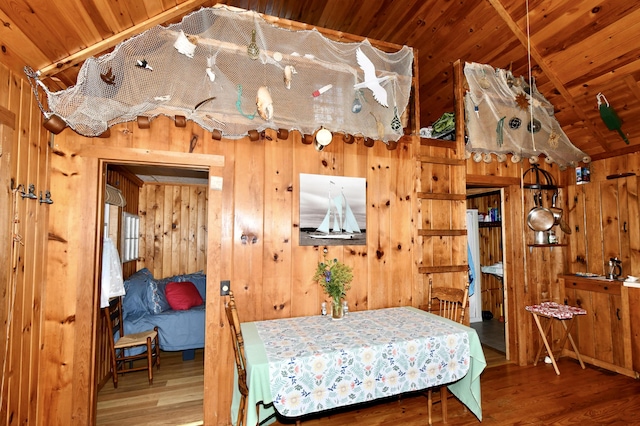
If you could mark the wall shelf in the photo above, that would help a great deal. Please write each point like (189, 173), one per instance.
(531, 246)
(497, 224)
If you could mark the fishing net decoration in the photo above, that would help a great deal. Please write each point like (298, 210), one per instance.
(499, 120)
(205, 61)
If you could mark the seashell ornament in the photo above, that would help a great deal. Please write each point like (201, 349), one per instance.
(379, 127)
(289, 71)
(264, 103)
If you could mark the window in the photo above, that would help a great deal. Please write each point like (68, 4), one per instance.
(130, 236)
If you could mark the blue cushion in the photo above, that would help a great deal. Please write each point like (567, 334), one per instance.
(156, 296)
(135, 301)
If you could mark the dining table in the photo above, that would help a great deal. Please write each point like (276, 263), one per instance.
(303, 365)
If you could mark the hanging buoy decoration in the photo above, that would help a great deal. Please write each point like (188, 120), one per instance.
(610, 117)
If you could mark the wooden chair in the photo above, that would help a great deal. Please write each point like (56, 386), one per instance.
(238, 350)
(119, 342)
(452, 303)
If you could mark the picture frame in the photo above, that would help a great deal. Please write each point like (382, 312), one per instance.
(333, 210)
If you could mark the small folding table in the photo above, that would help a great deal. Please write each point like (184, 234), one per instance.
(562, 313)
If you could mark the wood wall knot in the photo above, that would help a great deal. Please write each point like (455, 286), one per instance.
(379, 254)
(54, 237)
(68, 320)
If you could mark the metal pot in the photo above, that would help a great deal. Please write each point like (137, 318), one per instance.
(540, 218)
(557, 212)
(541, 237)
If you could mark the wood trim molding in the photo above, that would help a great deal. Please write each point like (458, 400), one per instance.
(443, 269)
(149, 156)
(498, 181)
(439, 143)
(7, 118)
(441, 160)
(432, 196)
(442, 232)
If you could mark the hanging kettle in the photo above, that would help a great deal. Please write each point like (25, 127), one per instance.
(615, 268)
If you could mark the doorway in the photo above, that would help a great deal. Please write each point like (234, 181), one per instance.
(201, 172)
(485, 227)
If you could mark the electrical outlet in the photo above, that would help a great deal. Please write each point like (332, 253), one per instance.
(225, 286)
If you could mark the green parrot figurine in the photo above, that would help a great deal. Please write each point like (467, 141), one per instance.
(610, 117)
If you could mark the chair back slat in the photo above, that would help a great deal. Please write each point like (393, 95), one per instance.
(113, 314)
(452, 302)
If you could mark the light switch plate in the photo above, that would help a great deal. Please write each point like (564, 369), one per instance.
(225, 286)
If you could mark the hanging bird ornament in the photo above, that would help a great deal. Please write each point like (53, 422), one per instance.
(610, 117)
(371, 80)
(143, 64)
(108, 77)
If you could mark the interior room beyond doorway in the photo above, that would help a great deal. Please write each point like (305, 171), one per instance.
(485, 231)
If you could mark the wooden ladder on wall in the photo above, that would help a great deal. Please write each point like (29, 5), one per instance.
(442, 201)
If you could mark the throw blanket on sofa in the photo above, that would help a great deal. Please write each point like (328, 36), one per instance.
(145, 306)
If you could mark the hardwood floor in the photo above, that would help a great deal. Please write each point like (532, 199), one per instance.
(175, 398)
(511, 395)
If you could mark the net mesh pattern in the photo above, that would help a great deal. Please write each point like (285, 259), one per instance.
(503, 118)
(204, 60)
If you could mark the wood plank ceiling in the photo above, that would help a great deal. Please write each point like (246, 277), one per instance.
(577, 47)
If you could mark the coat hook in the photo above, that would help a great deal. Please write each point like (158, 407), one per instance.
(31, 194)
(47, 197)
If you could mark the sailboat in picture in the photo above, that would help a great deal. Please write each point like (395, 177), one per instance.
(344, 221)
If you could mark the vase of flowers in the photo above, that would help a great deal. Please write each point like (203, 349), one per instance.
(335, 278)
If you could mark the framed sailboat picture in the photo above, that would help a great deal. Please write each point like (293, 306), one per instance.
(333, 210)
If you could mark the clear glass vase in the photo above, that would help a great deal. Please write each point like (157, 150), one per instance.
(336, 309)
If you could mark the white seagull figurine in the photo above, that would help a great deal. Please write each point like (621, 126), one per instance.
(371, 81)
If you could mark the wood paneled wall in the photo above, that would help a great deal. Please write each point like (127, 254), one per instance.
(68, 378)
(603, 215)
(271, 274)
(24, 161)
(173, 229)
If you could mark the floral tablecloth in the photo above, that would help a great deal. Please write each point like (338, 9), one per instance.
(316, 363)
(410, 324)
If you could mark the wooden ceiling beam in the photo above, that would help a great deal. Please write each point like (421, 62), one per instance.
(549, 72)
(108, 43)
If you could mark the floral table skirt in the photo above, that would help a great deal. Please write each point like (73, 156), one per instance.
(317, 364)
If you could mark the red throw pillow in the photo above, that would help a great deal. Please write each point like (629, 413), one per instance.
(182, 295)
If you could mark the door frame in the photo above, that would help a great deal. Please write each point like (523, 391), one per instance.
(214, 164)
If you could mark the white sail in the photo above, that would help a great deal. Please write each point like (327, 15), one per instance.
(324, 226)
(337, 222)
(351, 224)
(344, 221)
